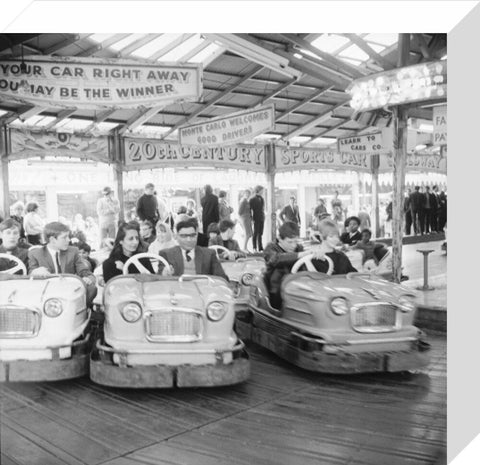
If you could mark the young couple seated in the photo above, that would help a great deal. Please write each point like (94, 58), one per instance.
(185, 258)
(281, 255)
(55, 257)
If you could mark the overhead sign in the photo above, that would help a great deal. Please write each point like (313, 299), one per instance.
(152, 153)
(369, 144)
(94, 82)
(231, 129)
(290, 159)
(440, 125)
(26, 144)
(429, 163)
(424, 81)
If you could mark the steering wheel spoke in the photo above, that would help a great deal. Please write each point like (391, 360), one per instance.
(135, 260)
(307, 261)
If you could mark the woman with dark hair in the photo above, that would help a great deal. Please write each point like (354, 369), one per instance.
(33, 224)
(127, 243)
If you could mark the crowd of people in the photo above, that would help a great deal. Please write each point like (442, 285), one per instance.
(183, 238)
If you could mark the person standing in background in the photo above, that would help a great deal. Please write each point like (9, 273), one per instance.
(245, 217)
(147, 205)
(320, 209)
(429, 207)
(415, 207)
(407, 212)
(210, 210)
(224, 210)
(107, 210)
(290, 212)
(17, 210)
(257, 206)
(33, 224)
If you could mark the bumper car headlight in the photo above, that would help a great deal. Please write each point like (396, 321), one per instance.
(53, 308)
(216, 311)
(131, 312)
(339, 306)
(406, 303)
(247, 279)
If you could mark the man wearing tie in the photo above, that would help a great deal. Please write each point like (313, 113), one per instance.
(187, 257)
(57, 257)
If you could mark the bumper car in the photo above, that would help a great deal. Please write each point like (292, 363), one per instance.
(342, 324)
(241, 273)
(167, 331)
(44, 326)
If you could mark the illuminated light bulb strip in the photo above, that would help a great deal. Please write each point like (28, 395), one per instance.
(404, 85)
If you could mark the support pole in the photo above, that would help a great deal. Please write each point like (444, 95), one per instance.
(271, 216)
(4, 186)
(117, 157)
(375, 217)
(400, 117)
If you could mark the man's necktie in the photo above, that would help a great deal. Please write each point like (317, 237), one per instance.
(59, 268)
(187, 255)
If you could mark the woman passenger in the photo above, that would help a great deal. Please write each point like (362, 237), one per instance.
(127, 244)
(164, 239)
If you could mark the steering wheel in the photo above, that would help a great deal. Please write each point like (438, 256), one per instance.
(135, 260)
(307, 261)
(219, 248)
(19, 265)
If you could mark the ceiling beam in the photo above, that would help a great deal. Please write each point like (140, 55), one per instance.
(62, 115)
(422, 45)
(139, 118)
(324, 131)
(276, 91)
(10, 40)
(102, 45)
(301, 103)
(71, 39)
(170, 46)
(334, 63)
(313, 122)
(214, 100)
(361, 44)
(102, 116)
(33, 111)
(136, 44)
(305, 67)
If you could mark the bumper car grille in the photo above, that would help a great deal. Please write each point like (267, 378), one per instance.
(174, 326)
(18, 322)
(375, 318)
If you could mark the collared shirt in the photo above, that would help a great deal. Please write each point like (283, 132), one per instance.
(191, 254)
(53, 254)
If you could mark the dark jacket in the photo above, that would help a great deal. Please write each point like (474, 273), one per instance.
(290, 214)
(347, 239)
(110, 269)
(257, 205)
(206, 261)
(341, 263)
(279, 263)
(147, 208)
(230, 244)
(210, 213)
(416, 201)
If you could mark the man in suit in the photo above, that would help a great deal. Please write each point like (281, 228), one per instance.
(416, 209)
(257, 207)
(57, 257)
(290, 212)
(187, 257)
(352, 234)
(12, 245)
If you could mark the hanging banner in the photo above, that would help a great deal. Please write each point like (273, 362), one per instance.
(294, 159)
(93, 83)
(440, 125)
(429, 163)
(152, 153)
(369, 144)
(231, 129)
(27, 144)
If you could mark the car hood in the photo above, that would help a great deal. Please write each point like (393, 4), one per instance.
(32, 293)
(165, 292)
(355, 287)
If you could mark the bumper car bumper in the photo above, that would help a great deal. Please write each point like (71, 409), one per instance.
(104, 371)
(54, 369)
